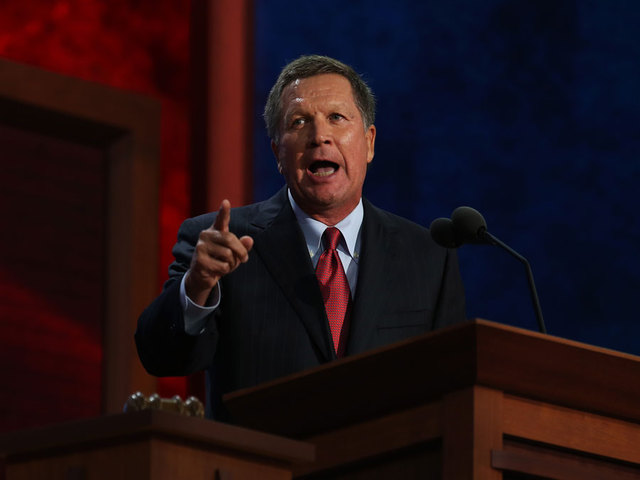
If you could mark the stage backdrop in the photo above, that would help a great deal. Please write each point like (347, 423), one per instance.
(526, 110)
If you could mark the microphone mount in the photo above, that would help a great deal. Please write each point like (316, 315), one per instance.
(467, 225)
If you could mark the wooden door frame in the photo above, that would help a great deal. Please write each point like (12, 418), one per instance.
(126, 126)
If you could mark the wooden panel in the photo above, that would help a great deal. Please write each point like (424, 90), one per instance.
(108, 429)
(125, 461)
(170, 461)
(149, 444)
(472, 428)
(423, 462)
(156, 459)
(572, 429)
(558, 464)
(367, 440)
(558, 370)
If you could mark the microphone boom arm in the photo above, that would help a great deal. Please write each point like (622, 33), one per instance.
(486, 236)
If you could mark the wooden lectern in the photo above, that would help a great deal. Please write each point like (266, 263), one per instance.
(149, 445)
(470, 402)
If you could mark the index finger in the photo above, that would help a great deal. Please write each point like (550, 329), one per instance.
(224, 215)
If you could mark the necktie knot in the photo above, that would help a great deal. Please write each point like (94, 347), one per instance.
(331, 238)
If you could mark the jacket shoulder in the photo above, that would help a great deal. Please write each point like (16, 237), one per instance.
(394, 223)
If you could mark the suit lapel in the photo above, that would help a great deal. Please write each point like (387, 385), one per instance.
(376, 258)
(282, 248)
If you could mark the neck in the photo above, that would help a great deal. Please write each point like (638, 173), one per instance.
(330, 216)
(330, 219)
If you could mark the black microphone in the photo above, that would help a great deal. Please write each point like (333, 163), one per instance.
(442, 232)
(467, 225)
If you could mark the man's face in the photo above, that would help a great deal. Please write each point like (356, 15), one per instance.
(324, 149)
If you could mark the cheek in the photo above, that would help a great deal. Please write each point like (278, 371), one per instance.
(284, 154)
(348, 136)
(354, 141)
(289, 161)
(355, 148)
(290, 147)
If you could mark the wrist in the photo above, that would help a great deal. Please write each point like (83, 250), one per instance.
(197, 293)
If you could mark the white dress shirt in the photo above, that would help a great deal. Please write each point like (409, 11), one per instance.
(349, 246)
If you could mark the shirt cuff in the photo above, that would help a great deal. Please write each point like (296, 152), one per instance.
(196, 316)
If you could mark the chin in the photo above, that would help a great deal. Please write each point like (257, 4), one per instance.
(326, 199)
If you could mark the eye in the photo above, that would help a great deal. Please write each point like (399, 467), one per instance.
(336, 117)
(298, 121)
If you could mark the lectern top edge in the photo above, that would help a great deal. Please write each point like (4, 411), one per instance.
(135, 426)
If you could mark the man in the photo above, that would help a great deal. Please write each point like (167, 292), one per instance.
(243, 300)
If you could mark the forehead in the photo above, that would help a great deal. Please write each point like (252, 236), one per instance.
(318, 89)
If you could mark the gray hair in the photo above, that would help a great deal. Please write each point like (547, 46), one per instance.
(309, 66)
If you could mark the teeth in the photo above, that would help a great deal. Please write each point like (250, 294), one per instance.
(324, 171)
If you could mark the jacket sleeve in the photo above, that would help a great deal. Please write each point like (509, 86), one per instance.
(163, 346)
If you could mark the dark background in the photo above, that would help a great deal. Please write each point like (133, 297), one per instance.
(525, 110)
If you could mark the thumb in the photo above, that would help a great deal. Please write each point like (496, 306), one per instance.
(247, 241)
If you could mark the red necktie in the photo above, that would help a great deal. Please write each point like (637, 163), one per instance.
(335, 289)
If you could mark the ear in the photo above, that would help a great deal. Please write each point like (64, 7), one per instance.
(370, 136)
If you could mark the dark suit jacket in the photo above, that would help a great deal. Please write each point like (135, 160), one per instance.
(271, 321)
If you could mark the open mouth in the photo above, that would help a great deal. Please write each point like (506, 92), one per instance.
(323, 168)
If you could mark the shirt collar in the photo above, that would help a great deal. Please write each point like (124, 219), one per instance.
(313, 229)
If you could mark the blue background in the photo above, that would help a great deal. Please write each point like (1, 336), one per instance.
(526, 110)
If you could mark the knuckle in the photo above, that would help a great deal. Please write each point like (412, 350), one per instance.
(220, 253)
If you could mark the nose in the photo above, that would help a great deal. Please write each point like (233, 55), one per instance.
(320, 133)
